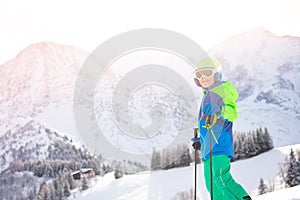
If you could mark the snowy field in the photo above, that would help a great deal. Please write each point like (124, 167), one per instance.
(165, 184)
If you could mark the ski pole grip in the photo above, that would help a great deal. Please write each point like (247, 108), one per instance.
(211, 120)
(195, 132)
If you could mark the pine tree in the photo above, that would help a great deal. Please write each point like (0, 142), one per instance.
(104, 170)
(237, 146)
(44, 193)
(198, 157)
(52, 192)
(250, 146)
(31, 195)
(243, 146)
(96, 166)
(49, 170)
(173, 155)
(259, 141)
(271, 186)
(58, 188)
(71, 181)
(165, 159)
(185, 158)
(268, 140)
(84, 184)
(67, 192)
(292, 177)
(155, 161)
(118, 171)
(176, 156)
(252, 143)
(262, 188)
(260, 134)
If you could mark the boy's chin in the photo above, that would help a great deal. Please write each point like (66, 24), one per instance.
(206, 85)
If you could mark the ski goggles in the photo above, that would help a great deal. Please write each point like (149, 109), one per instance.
(205, 72)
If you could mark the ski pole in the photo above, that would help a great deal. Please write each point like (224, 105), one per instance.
(211, 121)
(210, 166)
(195, 192)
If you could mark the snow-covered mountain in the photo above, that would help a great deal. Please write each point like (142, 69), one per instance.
(32, 153)
(41, 75)
(32, 140)
(38, 86)
(39, 83)
(168, 184)
(266, 70)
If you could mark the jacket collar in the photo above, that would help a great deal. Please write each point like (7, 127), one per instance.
(207, 90)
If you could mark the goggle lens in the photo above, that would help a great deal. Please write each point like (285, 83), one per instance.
(204, 73)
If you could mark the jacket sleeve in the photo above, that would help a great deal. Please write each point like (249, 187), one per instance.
(229, 110)
(229, 95)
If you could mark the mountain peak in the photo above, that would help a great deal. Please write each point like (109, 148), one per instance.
(43, 73)
(45, 58)
(261, 30)
(47, 50)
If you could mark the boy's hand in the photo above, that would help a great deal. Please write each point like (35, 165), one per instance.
(196, 143)
(211, 109)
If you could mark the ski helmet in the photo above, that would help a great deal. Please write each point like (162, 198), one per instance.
(211, 63)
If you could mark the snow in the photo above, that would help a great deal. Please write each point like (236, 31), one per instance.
(281, 124)
(165, 184)
(60, 117)
(287, 194)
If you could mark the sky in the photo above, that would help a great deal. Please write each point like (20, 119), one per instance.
(86, 24)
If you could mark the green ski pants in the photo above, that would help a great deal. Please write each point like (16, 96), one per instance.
(224, 186)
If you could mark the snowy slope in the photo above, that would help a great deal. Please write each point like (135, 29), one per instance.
(287, 194)
(166, 184)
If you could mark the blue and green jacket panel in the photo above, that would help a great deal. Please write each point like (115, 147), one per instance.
(222, 94)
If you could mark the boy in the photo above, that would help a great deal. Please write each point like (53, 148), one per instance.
(216, 115)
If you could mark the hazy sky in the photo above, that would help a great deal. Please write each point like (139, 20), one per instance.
(86, 24)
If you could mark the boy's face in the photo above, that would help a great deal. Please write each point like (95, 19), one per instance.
(205, 76)
(207, 82)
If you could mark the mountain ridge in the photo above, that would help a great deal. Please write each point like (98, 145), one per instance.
(246, 59)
